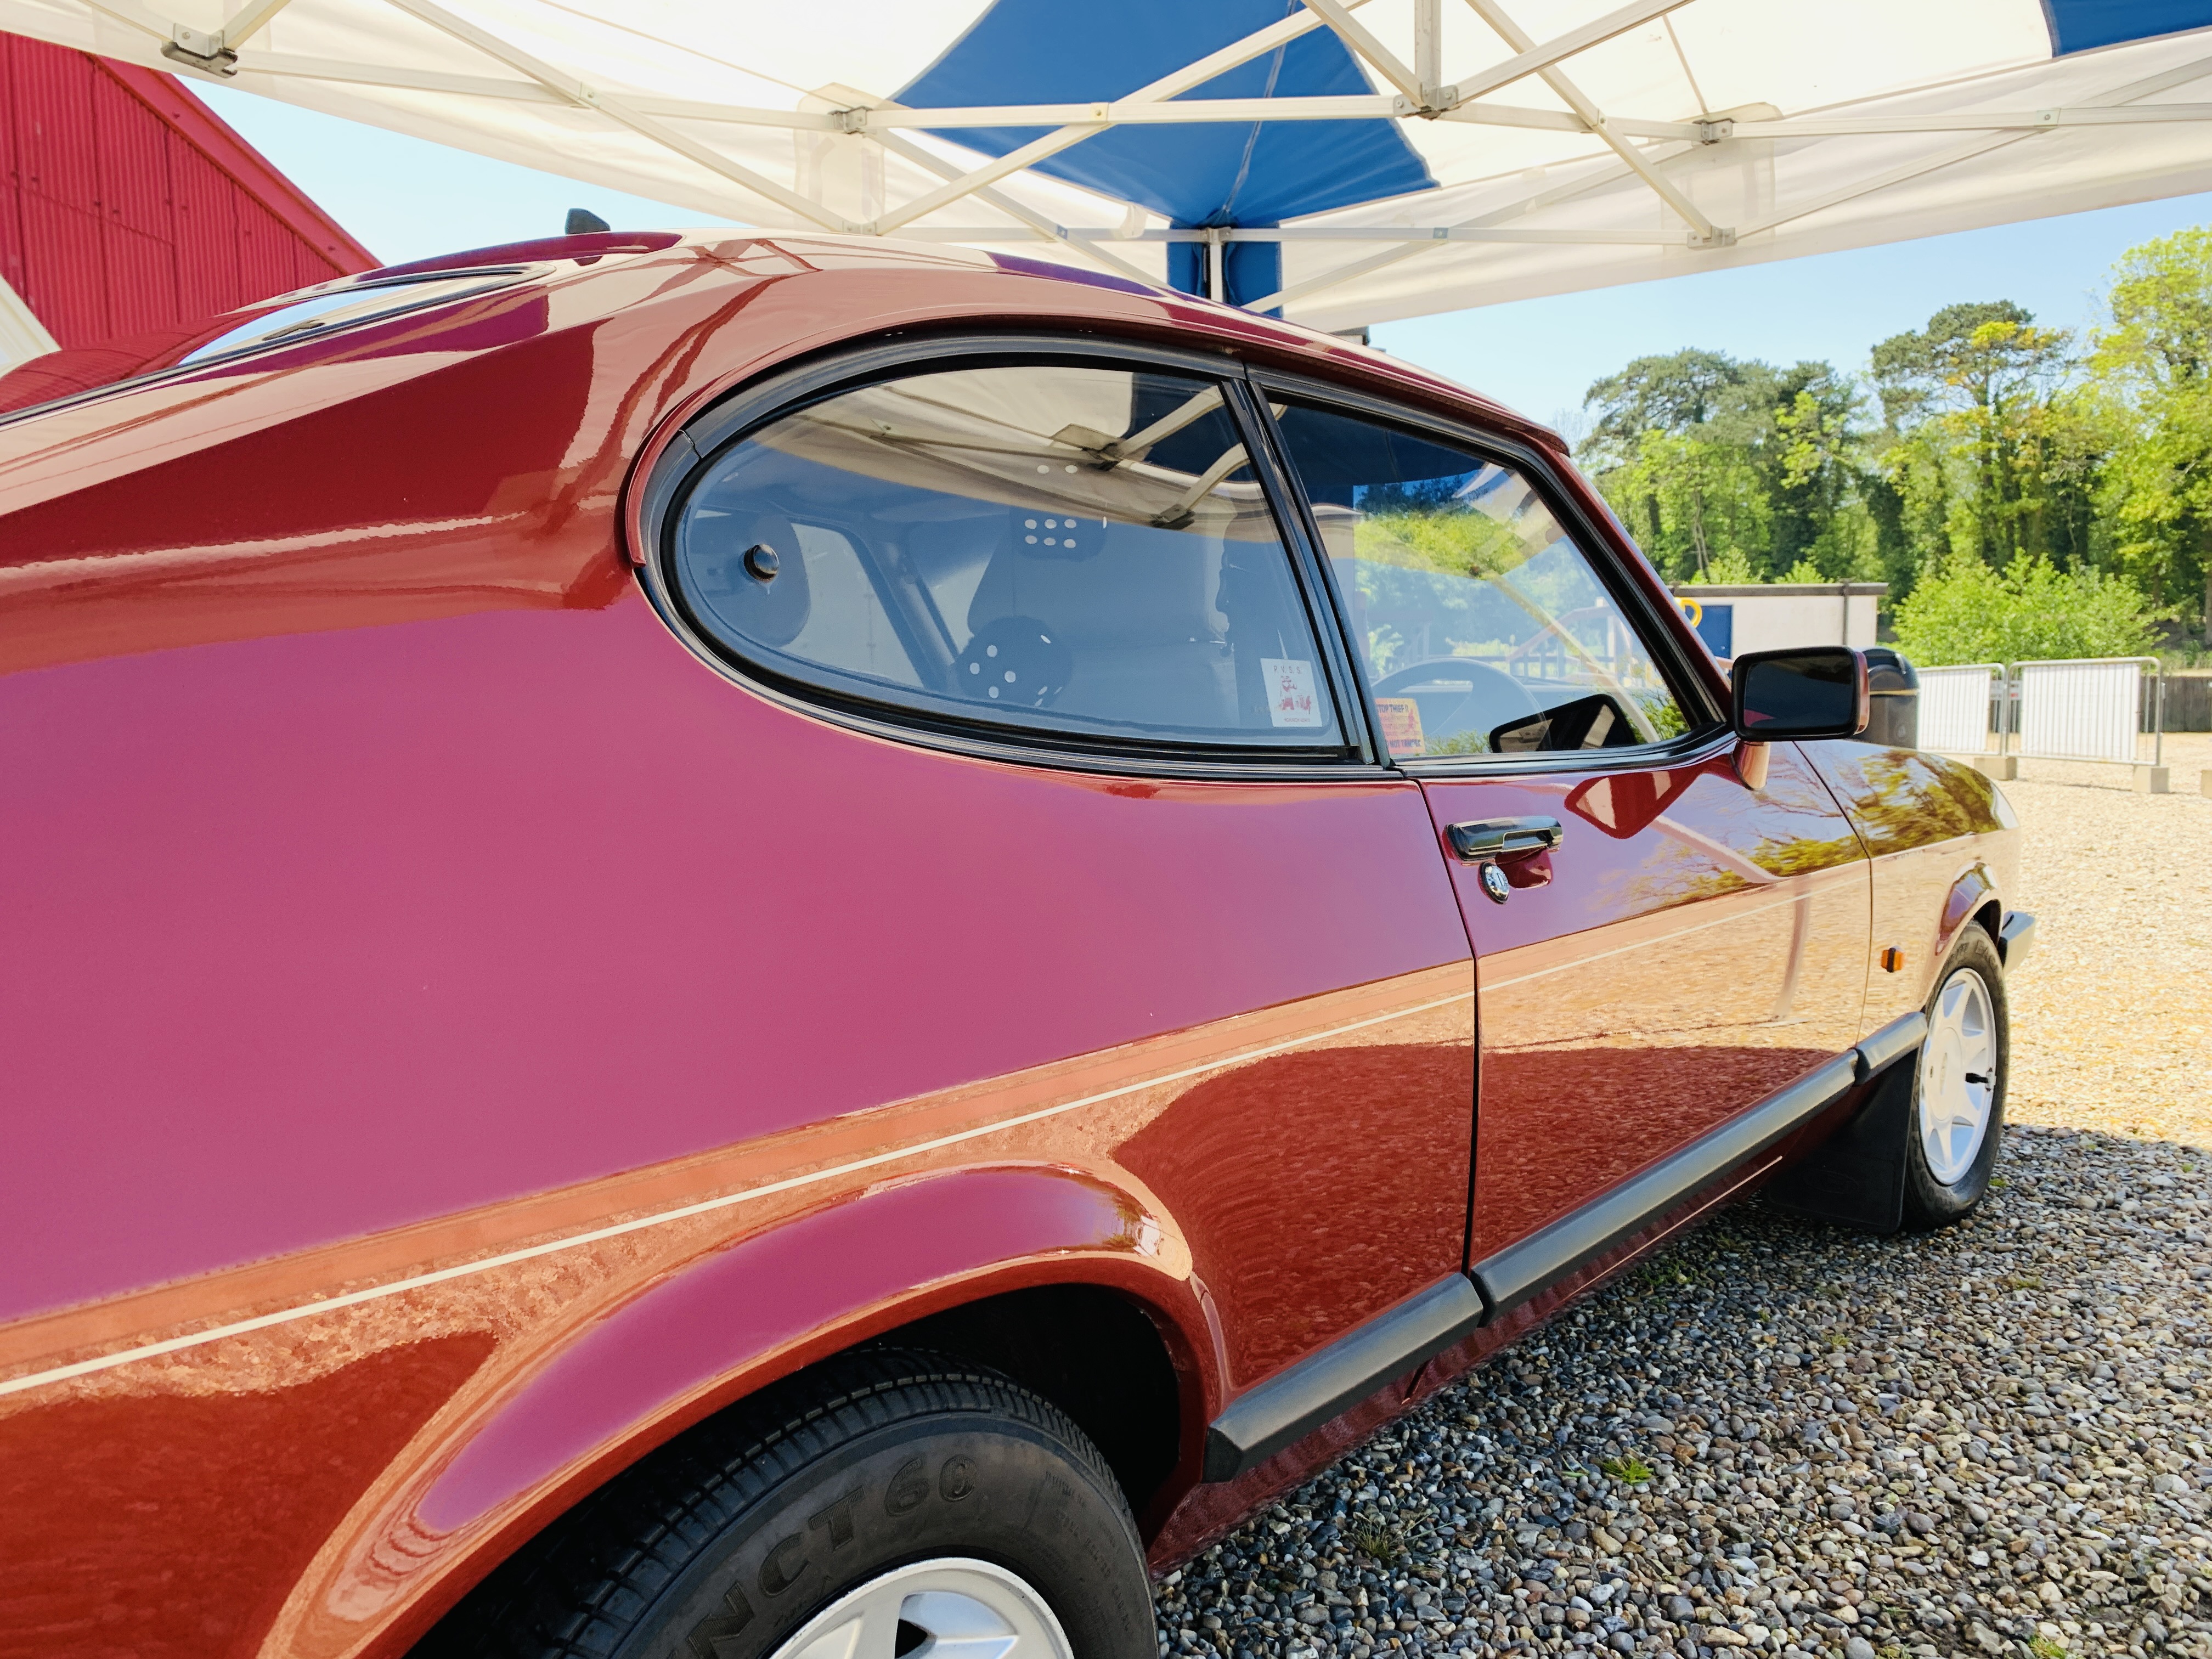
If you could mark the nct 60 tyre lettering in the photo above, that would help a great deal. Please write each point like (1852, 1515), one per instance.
(745, 1538)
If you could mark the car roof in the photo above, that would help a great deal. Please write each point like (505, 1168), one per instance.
(905, 284)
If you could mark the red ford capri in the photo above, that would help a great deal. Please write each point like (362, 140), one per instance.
(727, 945)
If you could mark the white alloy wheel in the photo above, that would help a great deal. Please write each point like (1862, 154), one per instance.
(948, 1608)
(1957, 1076)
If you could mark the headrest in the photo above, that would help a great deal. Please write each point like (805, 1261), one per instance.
(1140, 586)
(713, 549)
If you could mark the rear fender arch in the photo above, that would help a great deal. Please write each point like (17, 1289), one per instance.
(726, 1322)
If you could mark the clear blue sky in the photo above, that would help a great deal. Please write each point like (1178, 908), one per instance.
(405, 198)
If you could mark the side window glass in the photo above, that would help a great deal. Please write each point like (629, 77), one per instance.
(1074, 549)
(1484, 629)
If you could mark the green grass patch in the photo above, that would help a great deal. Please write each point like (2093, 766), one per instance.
(1377, 1542)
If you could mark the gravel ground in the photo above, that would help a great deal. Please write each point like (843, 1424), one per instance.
(2112, 1024)
(1775, 1435)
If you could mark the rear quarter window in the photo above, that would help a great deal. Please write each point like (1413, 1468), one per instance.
(1057, 549)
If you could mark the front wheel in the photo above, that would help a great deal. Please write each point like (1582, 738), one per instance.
(1959, 1088)
(892, 1505)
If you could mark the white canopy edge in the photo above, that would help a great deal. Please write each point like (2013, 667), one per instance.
(22, 336)
(1578, 148)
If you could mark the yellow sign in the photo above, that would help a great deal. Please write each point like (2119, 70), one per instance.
(1691, 609)
(1401, 725)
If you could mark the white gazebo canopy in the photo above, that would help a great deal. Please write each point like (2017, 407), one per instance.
(1344, 161)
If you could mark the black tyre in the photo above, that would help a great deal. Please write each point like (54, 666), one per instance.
(885, 1504)
(1957, 1122)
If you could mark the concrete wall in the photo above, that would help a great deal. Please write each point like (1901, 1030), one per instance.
(1773, 616)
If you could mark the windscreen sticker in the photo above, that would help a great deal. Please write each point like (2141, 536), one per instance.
(1291, 699)
(1401, 725)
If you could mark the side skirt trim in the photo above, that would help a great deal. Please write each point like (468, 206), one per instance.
(1519, 1271)
(1329, 1383)
(1522, 1269)
(1324, 1385)
(1901, 1037)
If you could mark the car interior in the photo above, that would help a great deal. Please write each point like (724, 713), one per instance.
(1484, 629)
(1085, 546)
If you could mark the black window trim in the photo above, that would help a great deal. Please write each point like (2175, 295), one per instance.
(747, 408)
(1702, 741)
(1317, 585)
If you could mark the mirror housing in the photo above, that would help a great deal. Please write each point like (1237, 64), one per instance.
(1807, 691)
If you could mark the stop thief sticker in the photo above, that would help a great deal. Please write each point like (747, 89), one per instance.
(1291, 699)
(1401, 725)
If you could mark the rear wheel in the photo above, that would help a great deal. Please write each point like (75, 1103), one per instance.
(949, 1607)
(1959, 1088)
(892, 1505)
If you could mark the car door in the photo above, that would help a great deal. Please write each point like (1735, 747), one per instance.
(1663, 935)
(1125, 800)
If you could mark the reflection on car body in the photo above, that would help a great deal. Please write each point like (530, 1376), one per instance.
(740, 825)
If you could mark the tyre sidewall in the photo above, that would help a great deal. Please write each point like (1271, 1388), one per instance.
(949, 1485)
(1928, 1202)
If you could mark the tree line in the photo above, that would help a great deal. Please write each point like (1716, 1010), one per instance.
(2024, 490)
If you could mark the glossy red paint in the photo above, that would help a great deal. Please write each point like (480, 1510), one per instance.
(184, 1516)
(441, 740)
(445, 1011)
(1938, 834)
(1698, 945)
(688, 1342)
(651, 1355)
(457, 801)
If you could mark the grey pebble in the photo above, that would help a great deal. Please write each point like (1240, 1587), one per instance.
(1965, 1443)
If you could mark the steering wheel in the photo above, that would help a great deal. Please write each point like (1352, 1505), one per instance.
(1458, 694)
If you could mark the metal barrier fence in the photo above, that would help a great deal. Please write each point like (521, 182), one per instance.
(2089, 708)
(2085, 710)
(1955, 705)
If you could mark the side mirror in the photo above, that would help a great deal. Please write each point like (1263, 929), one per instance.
(1811, 691)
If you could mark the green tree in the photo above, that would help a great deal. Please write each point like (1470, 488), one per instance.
(1694, 502)
(1987, 452)
(1814, 460)
(2054, 504)
(2153, 366)
(1708, 393)
(1965, 611)
(1716, 463)
(1670, 448)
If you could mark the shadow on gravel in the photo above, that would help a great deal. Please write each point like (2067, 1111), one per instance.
(1781, 1437)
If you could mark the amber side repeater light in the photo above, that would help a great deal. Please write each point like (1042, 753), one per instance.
(1892, 959)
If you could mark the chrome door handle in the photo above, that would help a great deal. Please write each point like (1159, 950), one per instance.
(1490, 840)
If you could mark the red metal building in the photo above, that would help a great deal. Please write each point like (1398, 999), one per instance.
(128, 206)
